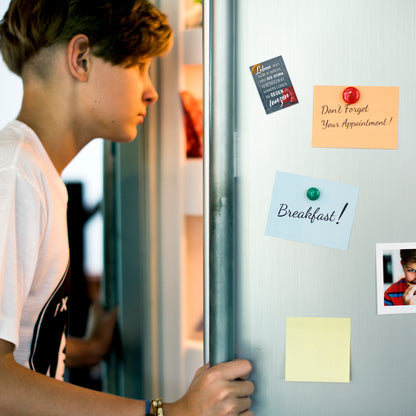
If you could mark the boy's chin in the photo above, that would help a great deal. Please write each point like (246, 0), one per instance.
(123, 137)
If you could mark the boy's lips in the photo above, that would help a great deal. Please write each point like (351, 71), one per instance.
(141, 117)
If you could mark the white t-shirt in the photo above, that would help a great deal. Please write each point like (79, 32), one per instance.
(34, 252)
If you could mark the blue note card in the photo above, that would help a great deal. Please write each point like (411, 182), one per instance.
(312, 210)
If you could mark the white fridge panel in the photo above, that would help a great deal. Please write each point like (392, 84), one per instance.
(324, 42)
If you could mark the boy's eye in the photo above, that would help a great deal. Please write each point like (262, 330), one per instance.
(411, 270)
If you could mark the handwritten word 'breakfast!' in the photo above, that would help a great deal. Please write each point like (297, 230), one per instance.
(310, 214)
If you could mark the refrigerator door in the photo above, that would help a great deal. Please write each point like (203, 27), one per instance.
(334, 43)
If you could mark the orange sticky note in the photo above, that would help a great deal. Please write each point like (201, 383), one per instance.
(371, 123)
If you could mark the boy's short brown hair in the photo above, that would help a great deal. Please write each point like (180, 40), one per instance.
(408, 256)
(122, 32)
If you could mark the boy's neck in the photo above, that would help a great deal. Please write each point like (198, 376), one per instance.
(48, 111)
(60, 150)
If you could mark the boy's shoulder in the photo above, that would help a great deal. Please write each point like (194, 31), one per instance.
(22, 151)
(11, 141)
(15, 138)
(399, 286)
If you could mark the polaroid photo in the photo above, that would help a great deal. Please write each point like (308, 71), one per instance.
(396, 278)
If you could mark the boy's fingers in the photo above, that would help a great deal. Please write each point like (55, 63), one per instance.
(233, 370)
(244, 404)
(245, 388)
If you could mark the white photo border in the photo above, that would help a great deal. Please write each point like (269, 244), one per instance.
(381, 308)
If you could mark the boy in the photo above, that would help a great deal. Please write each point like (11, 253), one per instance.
(403, 291)
(84, 66)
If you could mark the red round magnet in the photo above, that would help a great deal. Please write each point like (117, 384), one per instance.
(351, 95)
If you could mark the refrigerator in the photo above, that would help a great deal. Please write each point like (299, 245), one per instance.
(303, 299)
(296, 290)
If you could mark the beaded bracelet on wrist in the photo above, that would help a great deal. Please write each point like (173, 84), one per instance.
(157, 405)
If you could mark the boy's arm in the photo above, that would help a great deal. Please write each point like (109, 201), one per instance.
(220, 390)
(25, 392)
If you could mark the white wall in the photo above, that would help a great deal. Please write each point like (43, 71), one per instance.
(87, 167)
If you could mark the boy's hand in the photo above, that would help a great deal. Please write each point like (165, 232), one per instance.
(101, 325)
(409, 297)
(90, 350)
(222, 390)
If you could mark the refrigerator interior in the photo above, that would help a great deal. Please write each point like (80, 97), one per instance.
(181, 199)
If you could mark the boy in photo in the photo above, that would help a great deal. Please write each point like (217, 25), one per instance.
(403, 291)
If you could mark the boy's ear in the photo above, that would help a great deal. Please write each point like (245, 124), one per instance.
(79, 57)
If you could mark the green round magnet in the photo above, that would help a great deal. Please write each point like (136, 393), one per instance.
(313, 194)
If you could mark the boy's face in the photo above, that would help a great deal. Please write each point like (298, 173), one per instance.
(410, 272)
(118, 98)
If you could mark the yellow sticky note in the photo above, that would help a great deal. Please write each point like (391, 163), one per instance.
(371, 123)
(318, 349)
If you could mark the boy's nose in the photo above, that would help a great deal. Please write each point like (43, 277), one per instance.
(150, 95)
